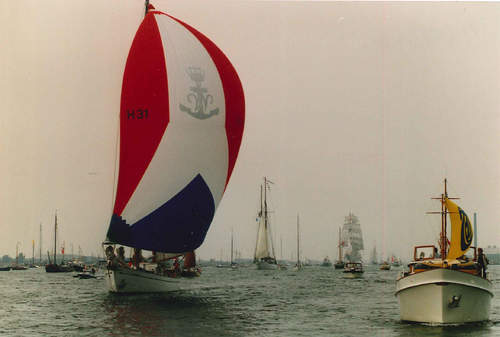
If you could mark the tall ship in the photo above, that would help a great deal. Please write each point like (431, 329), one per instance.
(446, 284)
(181, 124)
(264, 256)
(352, 238)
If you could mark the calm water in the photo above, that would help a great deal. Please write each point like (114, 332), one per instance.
(316, 301)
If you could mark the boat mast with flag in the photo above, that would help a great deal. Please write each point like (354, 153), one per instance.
(445, 285)
(264, 256)
(181, 124)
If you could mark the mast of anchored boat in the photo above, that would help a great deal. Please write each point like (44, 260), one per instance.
(298, 242)
(443, 241)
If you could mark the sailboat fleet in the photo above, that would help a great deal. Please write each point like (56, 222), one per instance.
(178, 82)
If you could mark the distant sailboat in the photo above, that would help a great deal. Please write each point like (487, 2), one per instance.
(17, 266)
(181, 124)
(264, 256)
(445, 287)
(52, 266)
(298, 264)
(339, 264)
(374, 255)
(233, 265)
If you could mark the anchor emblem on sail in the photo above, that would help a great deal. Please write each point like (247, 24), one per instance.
(198, 96)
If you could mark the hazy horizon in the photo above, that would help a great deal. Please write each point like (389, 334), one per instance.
(350, 106)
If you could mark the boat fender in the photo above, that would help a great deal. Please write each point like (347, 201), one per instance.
(454, 301)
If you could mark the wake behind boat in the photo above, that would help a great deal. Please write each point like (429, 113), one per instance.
(446, 287)
(181, 123)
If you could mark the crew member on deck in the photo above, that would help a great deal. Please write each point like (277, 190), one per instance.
(482, 262)
(436, 253)
(121, 253)
(137, 257)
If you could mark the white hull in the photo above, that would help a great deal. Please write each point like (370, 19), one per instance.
(138, 281)
(442, 296)
(262, 265)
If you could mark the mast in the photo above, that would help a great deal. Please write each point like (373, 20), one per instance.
(265, 203)
(55, 238)
(40, 243)
(231, 247)
(340, 246)
(298, 242)
(17, 253)
(146, 5)
(443, 241)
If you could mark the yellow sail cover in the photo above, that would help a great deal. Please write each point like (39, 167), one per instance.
(461, 230)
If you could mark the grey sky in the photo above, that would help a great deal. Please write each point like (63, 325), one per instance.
(361, 107)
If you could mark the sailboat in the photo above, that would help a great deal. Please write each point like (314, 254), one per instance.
(298, 264)
(445, 287)
(339, 264)
(373, 258)
(233, 264)
(264, 256)
(17, 266)
(52, 266)
(353, 238)
(181, 123)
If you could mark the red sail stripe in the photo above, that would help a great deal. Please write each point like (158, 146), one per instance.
(233, 95)
(144, 88)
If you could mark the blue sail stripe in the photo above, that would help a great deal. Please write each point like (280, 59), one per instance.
(177, 226)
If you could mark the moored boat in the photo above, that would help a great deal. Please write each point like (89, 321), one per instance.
(353, 270)
(385, 266)
(449, 287)
(326, 262)
(52, 266)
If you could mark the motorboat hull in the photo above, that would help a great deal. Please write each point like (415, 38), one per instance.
(444, 296)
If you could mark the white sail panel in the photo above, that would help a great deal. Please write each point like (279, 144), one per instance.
(262, 245)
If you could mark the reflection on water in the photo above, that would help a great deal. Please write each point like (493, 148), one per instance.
(315, 301)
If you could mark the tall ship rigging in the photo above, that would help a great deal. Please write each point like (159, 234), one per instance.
(352, 238)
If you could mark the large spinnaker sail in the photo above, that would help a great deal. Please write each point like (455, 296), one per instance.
(181, 124)
(461, 230)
